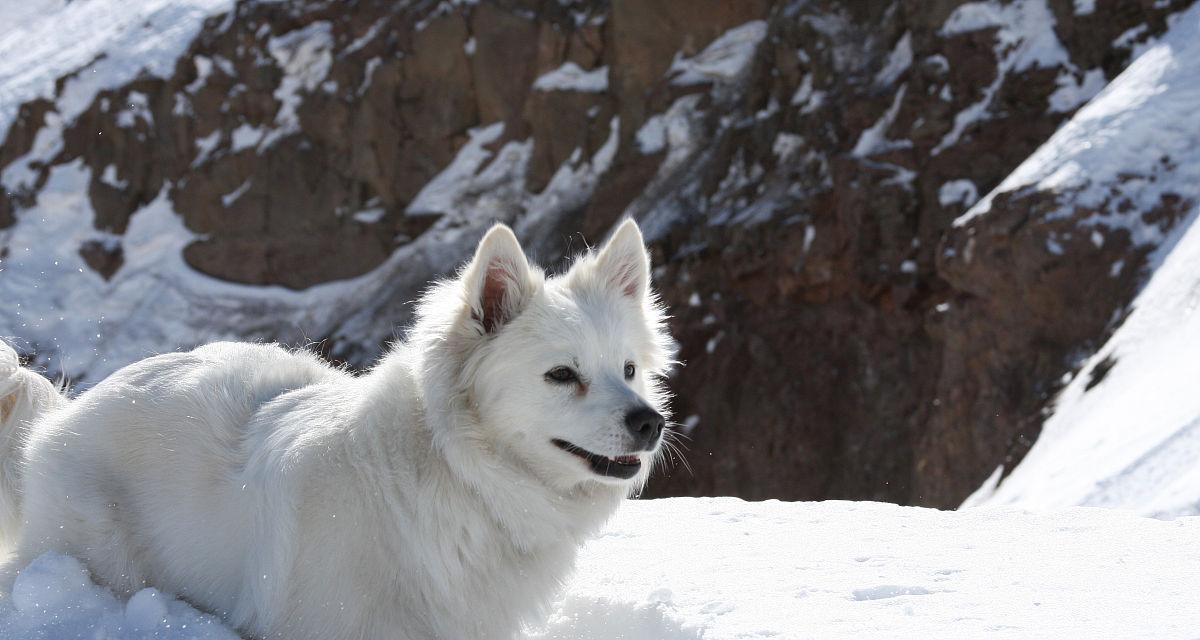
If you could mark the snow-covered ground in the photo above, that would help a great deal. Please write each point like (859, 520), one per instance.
(1125, 432)
(721, 568)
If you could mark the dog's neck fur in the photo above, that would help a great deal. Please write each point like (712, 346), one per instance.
(524, 539)
(545, 517)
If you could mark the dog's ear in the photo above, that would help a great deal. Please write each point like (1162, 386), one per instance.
(624, 263)
(499, 281)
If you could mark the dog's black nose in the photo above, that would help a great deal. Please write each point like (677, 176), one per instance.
(646, 426)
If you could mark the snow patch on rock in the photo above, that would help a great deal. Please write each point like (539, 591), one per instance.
(898, 61)
(570, 77)
(305, 56)
(440, 194)
(1025, 38)
(961, 192)
(723, 60)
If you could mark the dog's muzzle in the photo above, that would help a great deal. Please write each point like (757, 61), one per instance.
(623, 467)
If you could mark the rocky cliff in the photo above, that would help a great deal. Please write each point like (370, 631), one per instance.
(202, 169)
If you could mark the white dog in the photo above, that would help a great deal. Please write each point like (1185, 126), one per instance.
(443, 494)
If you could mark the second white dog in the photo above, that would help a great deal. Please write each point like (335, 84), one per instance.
(441, 495)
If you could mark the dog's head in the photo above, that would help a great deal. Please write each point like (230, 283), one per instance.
(566, 372)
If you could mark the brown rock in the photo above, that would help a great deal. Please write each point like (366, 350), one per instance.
(505, 63)
(103, 258)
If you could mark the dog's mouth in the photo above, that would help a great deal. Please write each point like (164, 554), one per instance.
(623, 467)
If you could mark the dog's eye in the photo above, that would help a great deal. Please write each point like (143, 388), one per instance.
(562, 375)
(629, 370)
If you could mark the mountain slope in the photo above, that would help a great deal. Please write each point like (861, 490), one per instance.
(1125, 431)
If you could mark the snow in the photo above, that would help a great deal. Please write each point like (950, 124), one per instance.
(54, 599)
(205, 146)
(723, 60)
(439, 194)
(138, 108)
(109, 177)
(1025, 38)
(572, 184)
(44, 40)
(1131, 440)
(232, 197)
(366, 38)
(1125, 431)
(1138, 138)
(652, 136)
(786, 145)
(710, 347)
(569, 77)
(961, 192)
(305, 57)
(804, 92)
(20, 175)
(1073, 91)
(721, 568)
(245, 137)
(874, 139)
(87, 327)
(370, 215)
(204, 67)
(369, 74)
(899, 60)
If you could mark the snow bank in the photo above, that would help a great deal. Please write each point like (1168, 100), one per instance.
(721, 568)
(1126, 431)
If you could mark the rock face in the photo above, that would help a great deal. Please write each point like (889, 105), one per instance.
(798, 168)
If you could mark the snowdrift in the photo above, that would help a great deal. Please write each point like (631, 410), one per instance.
(721, 568)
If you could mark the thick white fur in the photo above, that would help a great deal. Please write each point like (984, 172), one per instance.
(423, 499)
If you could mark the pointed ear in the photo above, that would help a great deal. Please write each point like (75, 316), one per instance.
(624, 263)
(498, 281)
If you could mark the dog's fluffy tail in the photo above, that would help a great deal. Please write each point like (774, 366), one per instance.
(24, 397)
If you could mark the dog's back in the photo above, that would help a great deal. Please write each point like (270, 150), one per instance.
(149, 468)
